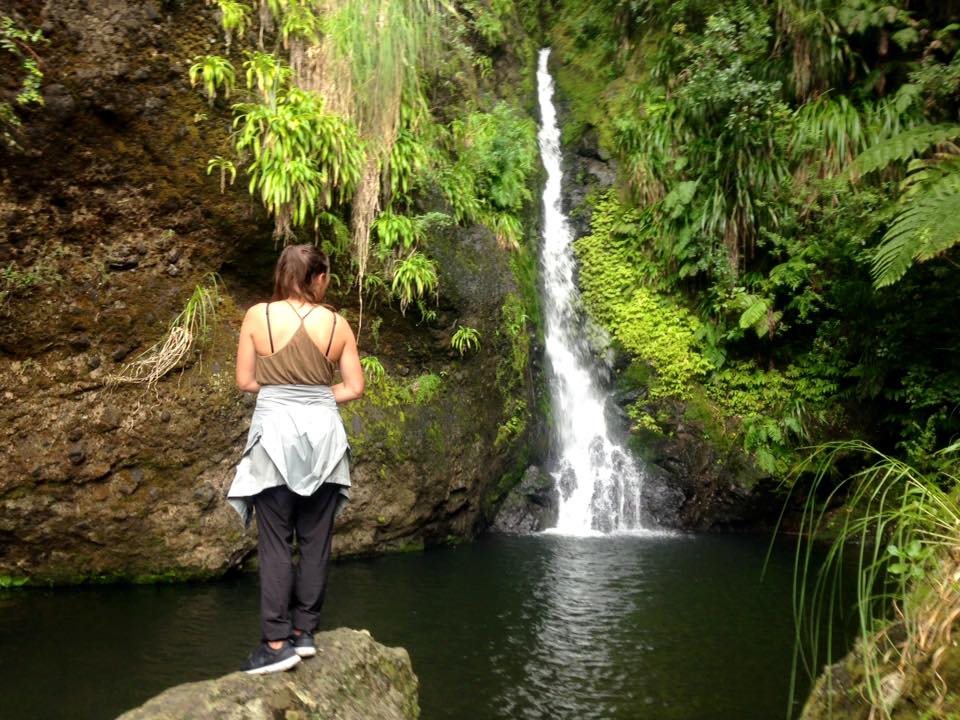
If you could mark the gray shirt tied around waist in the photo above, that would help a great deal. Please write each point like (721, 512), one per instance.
(296, 438)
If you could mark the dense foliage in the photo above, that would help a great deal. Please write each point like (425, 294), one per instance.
(373, 128)
(339, 136)
(782, 251)
(788, 174)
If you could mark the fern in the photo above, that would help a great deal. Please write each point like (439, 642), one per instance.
(758, 314)
(902, 146)
(927, 227)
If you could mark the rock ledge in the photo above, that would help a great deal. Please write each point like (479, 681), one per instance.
(353, 677)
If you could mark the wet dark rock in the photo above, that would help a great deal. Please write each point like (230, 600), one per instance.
(568, 482)
(125, 260)
(165, 416)
(698, 484)
(120, 353)
(531, 506)
(93, 362)
(58, 103)
(81, 342)
(75, 434)
(77, 456)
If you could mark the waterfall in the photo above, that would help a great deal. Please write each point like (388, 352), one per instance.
(598, 480)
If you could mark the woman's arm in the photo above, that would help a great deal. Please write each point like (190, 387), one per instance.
(247, 354)
(350, 369)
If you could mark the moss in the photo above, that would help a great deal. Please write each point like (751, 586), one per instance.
(509, 480)
(13, 581)
(437, 436)
(69, 578)
(426, 388)
(410, 547)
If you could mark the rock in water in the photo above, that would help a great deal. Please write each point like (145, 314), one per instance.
(352, 677)
(531, 506)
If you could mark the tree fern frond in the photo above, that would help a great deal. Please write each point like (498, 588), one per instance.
(902, 146)
(927, 227)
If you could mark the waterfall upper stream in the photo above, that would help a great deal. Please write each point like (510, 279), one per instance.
(598, 480)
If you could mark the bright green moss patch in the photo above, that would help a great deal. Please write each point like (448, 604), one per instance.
(13, 581)
(648, 325)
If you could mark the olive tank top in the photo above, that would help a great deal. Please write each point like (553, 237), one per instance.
(299, 362)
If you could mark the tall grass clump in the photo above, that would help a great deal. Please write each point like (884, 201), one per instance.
(900, 525)
(189, 329)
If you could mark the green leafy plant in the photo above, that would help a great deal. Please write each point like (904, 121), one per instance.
(15, 281)
(465, 339)
(902, 146)
(373, 370)
(235, 19)
(425, 388)
(302, 157)
(267, 73)
(414, 277)
(647, 324)
(225, 167)
(20, 43)
(400, 233)
(496, 153)
(214, 72)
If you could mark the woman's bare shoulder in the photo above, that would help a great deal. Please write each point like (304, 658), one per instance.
(255, 311)
(343, 325)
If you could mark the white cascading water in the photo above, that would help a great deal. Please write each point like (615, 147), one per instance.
(599, 482)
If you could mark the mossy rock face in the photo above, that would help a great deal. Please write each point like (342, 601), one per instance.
(352, 677)
(110, 207)
(919, 692)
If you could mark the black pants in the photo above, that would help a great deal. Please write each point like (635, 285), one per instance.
(292, 597)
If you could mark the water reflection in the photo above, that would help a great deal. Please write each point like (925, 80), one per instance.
(509, 628)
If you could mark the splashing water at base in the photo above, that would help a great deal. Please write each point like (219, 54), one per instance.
(598, 480)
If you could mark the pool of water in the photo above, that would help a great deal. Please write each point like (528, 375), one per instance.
(659, 628)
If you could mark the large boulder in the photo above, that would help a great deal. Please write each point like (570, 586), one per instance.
(351, 678)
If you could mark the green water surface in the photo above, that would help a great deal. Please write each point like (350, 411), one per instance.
(645, 628)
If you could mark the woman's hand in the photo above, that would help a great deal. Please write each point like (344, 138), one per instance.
(351, 371)
(247, 354)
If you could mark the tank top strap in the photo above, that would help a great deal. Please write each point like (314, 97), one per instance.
(304, 316)
(332, 332)
(269, 332)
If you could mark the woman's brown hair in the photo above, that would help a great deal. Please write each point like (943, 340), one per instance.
(297, 268)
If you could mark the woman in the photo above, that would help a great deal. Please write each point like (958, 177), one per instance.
(294, 472)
